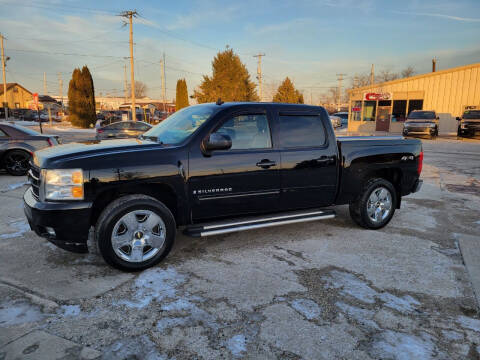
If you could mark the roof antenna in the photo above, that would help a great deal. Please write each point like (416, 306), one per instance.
(219, 102)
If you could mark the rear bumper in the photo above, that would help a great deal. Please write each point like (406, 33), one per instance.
(417, 186)
(70, 221)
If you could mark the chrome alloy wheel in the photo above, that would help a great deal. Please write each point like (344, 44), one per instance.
(138, 235)
(379, 204)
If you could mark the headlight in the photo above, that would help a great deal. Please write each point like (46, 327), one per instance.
(64, 184)
(432, 125)
(463, 126)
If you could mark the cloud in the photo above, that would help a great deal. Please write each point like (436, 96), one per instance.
(450, 17)
(280, 27)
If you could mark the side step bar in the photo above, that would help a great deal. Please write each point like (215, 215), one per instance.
(258, 222)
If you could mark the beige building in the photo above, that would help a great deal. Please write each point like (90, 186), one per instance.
(384, 107)
(17, 96)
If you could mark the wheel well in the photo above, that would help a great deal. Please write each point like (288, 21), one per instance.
(4, 155)
(161, 192)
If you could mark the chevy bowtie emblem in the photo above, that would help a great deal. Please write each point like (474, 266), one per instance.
(138, 235)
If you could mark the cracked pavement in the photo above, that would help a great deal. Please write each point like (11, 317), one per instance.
(320, 290)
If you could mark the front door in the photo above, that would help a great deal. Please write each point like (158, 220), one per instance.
(309, 161)
(242, 180)
(383, 118)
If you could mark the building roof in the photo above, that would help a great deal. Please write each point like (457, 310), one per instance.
(46, 98)
(11, 85)
(415, 77)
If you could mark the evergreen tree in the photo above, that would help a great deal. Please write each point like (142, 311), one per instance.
(286, 93)
(181, 99)
(230, 81)
(81, 98)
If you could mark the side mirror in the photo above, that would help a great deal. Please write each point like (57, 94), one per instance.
(217, 141)
(459, 118)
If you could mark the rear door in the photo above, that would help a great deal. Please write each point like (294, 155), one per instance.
(308, 160)
(244, 179)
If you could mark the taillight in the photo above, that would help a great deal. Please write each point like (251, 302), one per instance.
(50, 142)
(420, 163)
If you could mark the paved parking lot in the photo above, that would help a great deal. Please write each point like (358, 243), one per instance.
(317, 290)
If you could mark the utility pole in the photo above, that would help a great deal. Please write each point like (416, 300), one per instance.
(60, 89)
(339, 91)
(5, 102)
(125, 86)
(130, 15)
(45, 93)
(372, 75)
(434, 64)
(162, 74)
(259, 74)
(355, 82)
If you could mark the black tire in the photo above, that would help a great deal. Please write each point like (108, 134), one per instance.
(16, 162)
(358, 209)
(114, 212)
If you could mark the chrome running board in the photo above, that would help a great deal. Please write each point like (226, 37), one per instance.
(258, 222)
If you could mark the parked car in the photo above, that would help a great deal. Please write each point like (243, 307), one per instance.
(208, 166)
(336, 121)
(17, 145)
(343, 115)
(421, 122)
(469, 123)
(122, 129)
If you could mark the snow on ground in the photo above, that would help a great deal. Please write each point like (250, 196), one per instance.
(21, 227)
(73, 129)
(14, 313)
(307, 308)
(237, 345)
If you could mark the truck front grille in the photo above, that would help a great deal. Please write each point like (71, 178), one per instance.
(34, 179)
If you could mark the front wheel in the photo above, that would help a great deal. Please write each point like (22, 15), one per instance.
(135, 232)
(376, 205)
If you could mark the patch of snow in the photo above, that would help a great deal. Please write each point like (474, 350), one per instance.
(21, 226)
(237, 345)
(70, 310)
(180, 304)
(469, 323)
(133, 348)
(350, 285)
(17, 185)
(362, 316)
(401, 304)
(72, 129)
(169, 322)
(18, 313)
(400, 346)
(307, 308)
(154, 284)
(452, 335)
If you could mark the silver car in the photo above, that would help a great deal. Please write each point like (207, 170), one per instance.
(122, 130)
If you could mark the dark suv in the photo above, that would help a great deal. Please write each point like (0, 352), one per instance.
(421, 122)
(469, 123)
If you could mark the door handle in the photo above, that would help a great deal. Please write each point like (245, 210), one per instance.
(265, 164)
(325, 160)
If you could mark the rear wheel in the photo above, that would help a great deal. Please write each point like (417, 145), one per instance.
(16, 162)
(135, 232)
(376, 205)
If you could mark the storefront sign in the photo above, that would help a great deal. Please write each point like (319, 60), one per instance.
(35, 100)
(356, 109)
(377, 96)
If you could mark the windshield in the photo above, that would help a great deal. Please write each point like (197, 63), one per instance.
(471, 114)
(422, 115)
(26, 130)
(179, 126)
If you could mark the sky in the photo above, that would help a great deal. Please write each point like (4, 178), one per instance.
(311, 41)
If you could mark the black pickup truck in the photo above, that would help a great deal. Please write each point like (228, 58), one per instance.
(213, 169)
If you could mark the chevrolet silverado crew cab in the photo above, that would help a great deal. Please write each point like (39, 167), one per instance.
(212, 169)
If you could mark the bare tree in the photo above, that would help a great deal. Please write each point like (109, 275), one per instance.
(408, 71)
(140, 89)
(386, 75)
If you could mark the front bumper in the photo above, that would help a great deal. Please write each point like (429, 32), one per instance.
(70, 221)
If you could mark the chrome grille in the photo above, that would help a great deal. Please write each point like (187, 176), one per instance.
(34, 179)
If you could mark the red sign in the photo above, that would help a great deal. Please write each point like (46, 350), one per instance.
(35, 100)
(377, 96)
(356, 109)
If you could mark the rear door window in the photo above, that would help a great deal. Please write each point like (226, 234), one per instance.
(296, 131)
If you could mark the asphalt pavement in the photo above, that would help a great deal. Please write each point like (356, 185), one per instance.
(321, 290)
